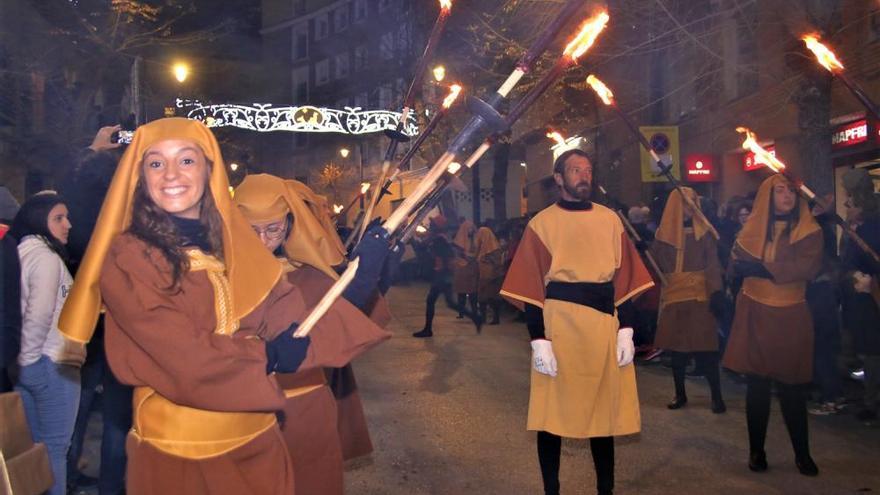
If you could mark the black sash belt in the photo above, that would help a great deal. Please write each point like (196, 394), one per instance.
(597, 296)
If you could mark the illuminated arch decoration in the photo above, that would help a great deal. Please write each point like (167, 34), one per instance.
(264, 117)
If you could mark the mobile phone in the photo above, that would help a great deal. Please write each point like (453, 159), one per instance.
(125, 137)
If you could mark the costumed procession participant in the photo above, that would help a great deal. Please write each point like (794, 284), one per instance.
(583, 383)
(199, 319)
(49, 377)
(777, 252)
(861, 291)
(490, 259)
(465, 275)
(441, 256)
(689, 259)
(289, 229)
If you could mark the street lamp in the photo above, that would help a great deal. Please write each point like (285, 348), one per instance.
(233, 166)
(181, 71)
(344, 152)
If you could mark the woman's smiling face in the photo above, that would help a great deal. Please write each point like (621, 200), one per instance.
(176, 173)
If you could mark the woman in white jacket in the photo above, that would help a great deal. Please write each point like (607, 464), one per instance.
(49, 380)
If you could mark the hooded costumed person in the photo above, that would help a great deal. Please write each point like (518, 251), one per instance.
(313, 425)
(198, 319)
(688, 257)
(490, 260)
(777, 252)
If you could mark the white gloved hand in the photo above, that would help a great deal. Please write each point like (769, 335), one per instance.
(625, 348)
(862, 282)
(543, 359)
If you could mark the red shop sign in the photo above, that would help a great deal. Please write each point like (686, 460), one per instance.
(850, 134)
(700, 168)
(749, 162)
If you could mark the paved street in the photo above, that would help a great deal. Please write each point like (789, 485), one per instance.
(447, 416)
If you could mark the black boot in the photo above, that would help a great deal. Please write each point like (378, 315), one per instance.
(758, 461)
(425, 332)
(718, 406)
(549, 452)
(677, 402)
(806, 466)
(679, 364)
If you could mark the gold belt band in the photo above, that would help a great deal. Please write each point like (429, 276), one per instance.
(193, 433)
(766, 292)
(684, 286)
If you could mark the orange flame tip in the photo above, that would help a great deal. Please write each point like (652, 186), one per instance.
(601, 89)
(587, 35)
(823, 54)
(560, 141)
(453, 167)
(365, 186)
(454, 90)
(761, 155)
(446, 4)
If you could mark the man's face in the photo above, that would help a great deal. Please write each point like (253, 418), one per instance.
(577, 180)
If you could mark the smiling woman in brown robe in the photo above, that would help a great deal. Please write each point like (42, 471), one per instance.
(197, 318)
(778, 251)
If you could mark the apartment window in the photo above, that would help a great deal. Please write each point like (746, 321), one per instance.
(300, 80)
(322, 72)
(300, 43)
(360, 57)
(322, 26)
(360, 10)
(342, 61)
(340, 18)
(386, 46)
(384, 4)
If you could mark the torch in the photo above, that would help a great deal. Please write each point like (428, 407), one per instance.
(775, 164)
(365, 186)
(450, 99)
(607, 98)
(396, 136)
(827, 59)
(486, 116)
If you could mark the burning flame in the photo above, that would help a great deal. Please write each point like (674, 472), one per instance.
(587, 35)
(599, 87)
(761, 155)
(560, 141)
(825, 56)
(337, 209)
(421, 230)
(454, 90)
(446, 4)
(365, 186)
(453, 167)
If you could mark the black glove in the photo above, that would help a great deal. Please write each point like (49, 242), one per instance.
(751, 269)
(389, 271)
(372, 251)
(285, 353)
(642, 245)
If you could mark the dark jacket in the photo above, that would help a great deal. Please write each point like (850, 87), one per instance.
(10, 299)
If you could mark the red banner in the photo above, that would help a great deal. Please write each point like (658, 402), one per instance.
(700, 168)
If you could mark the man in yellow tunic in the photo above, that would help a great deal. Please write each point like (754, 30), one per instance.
(573, 271)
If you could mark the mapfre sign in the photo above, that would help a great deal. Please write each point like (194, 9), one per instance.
(700, 168)
(850, 134)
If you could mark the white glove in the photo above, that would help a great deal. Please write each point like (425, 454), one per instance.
(543, 358)
(625, 348)
(862, 282)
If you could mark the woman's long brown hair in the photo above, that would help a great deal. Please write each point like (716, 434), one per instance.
(153, 225)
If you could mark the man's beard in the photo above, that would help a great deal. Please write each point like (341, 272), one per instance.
(581, 191)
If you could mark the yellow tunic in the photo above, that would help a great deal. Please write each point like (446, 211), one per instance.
(591, 396)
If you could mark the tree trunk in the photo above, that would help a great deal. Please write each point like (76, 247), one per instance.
(499, 179)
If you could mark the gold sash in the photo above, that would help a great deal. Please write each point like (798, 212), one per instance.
(193, 433)
(767, 292)
(684, 286)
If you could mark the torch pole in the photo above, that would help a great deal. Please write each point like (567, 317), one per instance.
(475, 126)
(859, 93)
(633, 234)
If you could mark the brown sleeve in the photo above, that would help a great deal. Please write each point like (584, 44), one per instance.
(713, 265)
(803, 265)
(151, 341)
(632, 278)
(524, 282)
(664, 255)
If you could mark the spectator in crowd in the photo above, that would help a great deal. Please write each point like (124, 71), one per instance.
(49, 380)
(490, 259)
(10, 307)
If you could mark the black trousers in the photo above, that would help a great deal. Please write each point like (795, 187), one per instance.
(706, 361)
(463, 300)
(438, 288)
(792, 401)
(549, 453)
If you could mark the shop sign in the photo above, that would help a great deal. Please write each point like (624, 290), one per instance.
(700, 168)
(850, 134)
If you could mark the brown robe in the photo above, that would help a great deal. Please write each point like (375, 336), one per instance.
(772, 335)
(687, 325)
(170, 344)
(464, 275)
